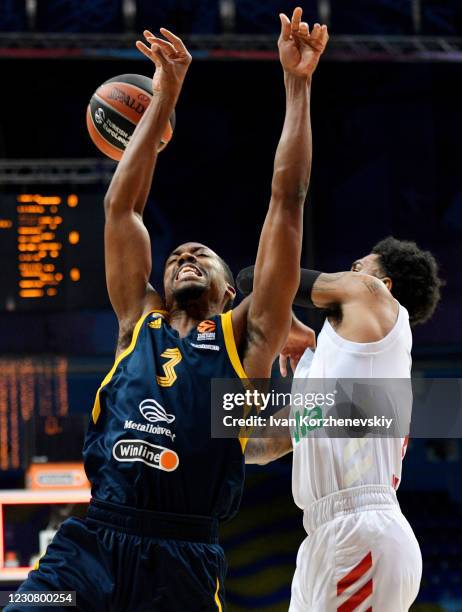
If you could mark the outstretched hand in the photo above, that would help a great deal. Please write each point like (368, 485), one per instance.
(170, 57)
(300, 50)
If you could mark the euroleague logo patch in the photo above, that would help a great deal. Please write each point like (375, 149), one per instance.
(206, 330)
(206, 326)
(154, 456)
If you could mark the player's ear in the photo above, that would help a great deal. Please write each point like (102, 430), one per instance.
(387, 282)
(230, 292)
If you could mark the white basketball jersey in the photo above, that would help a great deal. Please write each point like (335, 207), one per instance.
(323, 465)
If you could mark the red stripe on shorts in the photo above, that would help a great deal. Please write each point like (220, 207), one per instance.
(355, 574)
(355, 600)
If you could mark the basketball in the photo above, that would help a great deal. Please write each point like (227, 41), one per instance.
(115, 109)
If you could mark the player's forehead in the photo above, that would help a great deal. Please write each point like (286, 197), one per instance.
(191, 247)
(372, 259)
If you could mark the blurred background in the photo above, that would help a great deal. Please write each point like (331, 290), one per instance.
(387, 160)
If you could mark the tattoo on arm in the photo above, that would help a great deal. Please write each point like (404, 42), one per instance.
(253, 336)
(264, 450)
(256, 449)
(324, 281)
(372, 284)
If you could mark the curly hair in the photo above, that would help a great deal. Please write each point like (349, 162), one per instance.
(414, 273)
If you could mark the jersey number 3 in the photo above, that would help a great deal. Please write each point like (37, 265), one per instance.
(174, 357)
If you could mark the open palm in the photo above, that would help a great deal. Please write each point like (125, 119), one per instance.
(300, 49)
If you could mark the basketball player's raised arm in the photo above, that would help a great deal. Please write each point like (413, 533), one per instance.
(127, 242)
(277, 268)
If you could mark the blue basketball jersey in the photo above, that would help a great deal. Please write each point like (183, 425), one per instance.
(149, 441)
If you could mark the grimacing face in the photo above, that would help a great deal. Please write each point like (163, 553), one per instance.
(192, 269)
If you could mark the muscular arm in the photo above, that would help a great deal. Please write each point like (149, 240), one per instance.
(277, 268)
(320, 290)
(262, 451)
(359, 305)
(127, 242)
(280, 244)
(344, 287)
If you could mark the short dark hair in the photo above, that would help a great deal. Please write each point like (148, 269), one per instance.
(414, 273)
(229, 278)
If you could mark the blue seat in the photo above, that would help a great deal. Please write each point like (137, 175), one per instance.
(372, 17)
(257, 17)
(181, 16)
(79, 16)
(13, 16)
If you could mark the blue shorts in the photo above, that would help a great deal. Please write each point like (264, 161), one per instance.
(120, 559)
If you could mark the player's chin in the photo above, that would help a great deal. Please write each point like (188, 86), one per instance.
(189, 289)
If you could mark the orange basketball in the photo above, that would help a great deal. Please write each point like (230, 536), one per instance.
(115, 109)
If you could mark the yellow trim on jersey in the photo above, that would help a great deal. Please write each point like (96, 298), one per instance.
(96, 406)
(217, 599)
(230, 343)
(231, 349)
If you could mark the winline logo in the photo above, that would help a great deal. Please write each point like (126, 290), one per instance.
(150, 454)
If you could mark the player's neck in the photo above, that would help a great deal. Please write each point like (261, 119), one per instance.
(183, 317)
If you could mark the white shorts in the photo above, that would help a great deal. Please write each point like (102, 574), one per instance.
(361, 555)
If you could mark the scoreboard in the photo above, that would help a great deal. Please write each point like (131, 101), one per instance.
(51, 249)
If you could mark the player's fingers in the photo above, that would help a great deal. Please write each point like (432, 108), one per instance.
(175, 40)
(324, 35)
(147, 34)
(304, 29)
(283, 365)
(316, 31)
(143, 49)
(285, 26)
(167, 47)
(158, 56)
(296, 19)
(303, 35)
